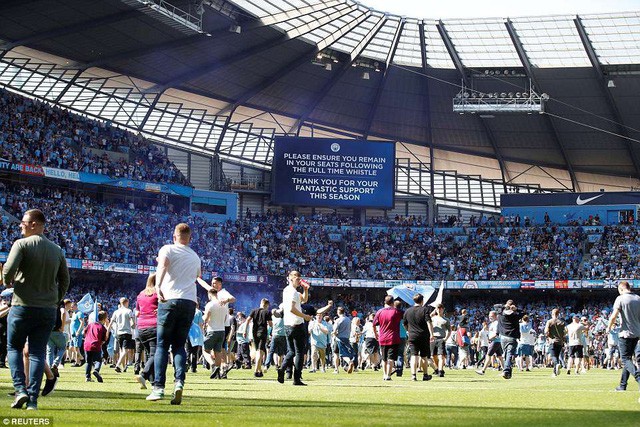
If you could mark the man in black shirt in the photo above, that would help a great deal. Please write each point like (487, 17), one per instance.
(417, 322)
(261, 319)
(509, 329)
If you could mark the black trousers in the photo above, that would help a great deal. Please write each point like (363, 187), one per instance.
(193, 355)
(296, 347)
(148, 338)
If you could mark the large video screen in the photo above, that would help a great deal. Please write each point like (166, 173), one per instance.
(333, 173)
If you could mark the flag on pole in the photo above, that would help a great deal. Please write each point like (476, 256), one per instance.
(438, 299)
(85, 305)
(406, 293)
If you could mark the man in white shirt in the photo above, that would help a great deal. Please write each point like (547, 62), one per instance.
(225, 298)
(576, 351)
(178, 269)
(223, 295)
(294, 320)
(525, 344)
(483, 343)
(215, 316)
(371, 347)
(122, 320)
(495, 349)
(319, 337)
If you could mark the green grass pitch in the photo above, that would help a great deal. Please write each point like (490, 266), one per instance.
(361, 399)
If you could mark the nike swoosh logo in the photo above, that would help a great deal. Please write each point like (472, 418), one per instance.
(581, 202)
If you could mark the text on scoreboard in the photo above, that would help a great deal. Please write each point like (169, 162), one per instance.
(333, 173)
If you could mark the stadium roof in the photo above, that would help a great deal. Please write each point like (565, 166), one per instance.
(340, 64)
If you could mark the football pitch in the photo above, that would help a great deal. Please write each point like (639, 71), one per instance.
(460, 398)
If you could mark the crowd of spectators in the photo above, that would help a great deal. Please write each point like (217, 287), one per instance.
(36, 133)
(274, 244)
(522, 253)
(616, 254)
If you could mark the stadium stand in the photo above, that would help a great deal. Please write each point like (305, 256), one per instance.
(34, 132)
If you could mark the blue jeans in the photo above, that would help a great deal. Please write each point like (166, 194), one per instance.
(34, 324)
(556, 355)
(400, 360)
(272, 348)
(509, 347)
(627, 349)
(174, 321)
(94, 361)
(56, 347)
(344, 346)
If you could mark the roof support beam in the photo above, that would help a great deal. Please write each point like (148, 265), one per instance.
(455, 57)
(214, 65)
(149, 111)
(344, 67)
(331, 38)
(606, 92)
(427, 104)
(70, 83)
(227, 122)
(73, 28)
(383, 79)
(288, 67)
(366, 39)
(549, 121)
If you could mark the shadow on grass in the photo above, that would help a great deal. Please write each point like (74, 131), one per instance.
(273, 401)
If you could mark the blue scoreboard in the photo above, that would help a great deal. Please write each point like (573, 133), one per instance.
(333, 173)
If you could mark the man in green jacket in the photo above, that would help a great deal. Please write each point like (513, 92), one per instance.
(37, 270)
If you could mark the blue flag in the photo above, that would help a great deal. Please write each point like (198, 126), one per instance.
(85, 305)
(406, 293)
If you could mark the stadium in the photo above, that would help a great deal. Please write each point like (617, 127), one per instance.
(490, 165)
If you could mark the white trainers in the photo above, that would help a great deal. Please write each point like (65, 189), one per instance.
(156, 394)
(177, 394)
(142, 381)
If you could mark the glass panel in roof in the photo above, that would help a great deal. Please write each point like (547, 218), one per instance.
(484, 43)
(408, 52)
(304, 23)
(263, 8)
(251, 7)
(380, 45)
(357, 18)
(334, 26)
(551, 42)
(615, 38)
(437, 54)
(350, 40)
